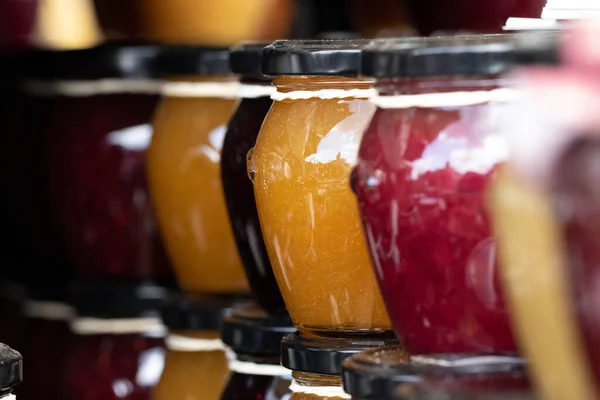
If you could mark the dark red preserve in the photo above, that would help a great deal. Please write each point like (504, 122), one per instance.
(17, 22)
(117, 351)
(429, 16)
(425, 163)
(241, 136)
(96, 138)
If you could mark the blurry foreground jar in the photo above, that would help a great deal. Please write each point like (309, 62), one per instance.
(317, 366)
(95, 139)
(117, 349)
(255, 339)
(221, 23)
(300, 167)
(185, 169)
(196, 363)
(11, 371)
(255, 93)
(424, 164)
(47, 338)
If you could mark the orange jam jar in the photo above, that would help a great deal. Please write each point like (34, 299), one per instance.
(196, 366)
(301, 168)
(222, 22)
(184, 166)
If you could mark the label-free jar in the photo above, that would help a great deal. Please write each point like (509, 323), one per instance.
(196, 363)
(255, 94)
(95, 135)
(300, 166)
(117, 349)
(185, 168)
(255, 339)
(424, 165)
(11, 371)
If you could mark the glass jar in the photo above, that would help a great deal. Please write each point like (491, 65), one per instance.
(46, 339)
(300, 167)
(317, 362)
(97, 178)
(255, 93)
(215, 23)
(196, 363)
(255, 338)
(11, 371)
(424, 164)
(185, 169)
(430, 16)
(117, 349)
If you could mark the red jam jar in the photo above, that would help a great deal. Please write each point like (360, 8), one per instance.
(96, 135)
(117, 349)
(255, 339)
(46, 339)
(17, 22)
(255, 94)
(11, 371)
(425, 161)
(429, 16)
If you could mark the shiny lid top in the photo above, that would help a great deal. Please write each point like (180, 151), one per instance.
(332, 57)
(391, 374)
(462, 55)
(250, 331)
(110, 60)
(319, 355)
(246, 59)
(116, 300)
(11, 369)
(201, 313)
(193, 60)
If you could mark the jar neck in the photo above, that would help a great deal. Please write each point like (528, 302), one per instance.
(286, 84)
(310, 379)
(441, 84)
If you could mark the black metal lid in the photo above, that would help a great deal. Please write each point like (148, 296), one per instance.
(11, 369)
(196, 313)
(391, 374)
(109, 60)
(250, 331)
(333, 57)
(246, 59)
(541, 49)
(319, 355)
(193, 60)
(118, 299)
(461, 55)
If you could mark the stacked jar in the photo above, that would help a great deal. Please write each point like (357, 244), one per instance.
(425, 163)
(92, 110)
(300, 165)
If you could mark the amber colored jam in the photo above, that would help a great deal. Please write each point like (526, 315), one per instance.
(429, 16)
(222, 22)
(421, 182)
(330, 383)
(109, 366)
(185, 178)
(309, 218)
(96, 160)
(193, 375)
(240, 138)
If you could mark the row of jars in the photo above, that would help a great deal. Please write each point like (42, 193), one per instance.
(79, 23)
(281, 163)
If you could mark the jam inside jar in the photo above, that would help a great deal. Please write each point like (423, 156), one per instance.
(96, 136)
(242, 131)
(300, 167)
(424, 165)
(184, 163)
